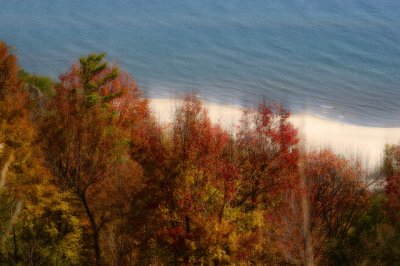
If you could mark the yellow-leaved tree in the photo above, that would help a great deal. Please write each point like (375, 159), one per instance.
(37, 226)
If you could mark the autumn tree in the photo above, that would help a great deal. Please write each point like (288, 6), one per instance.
(87, 139)
(268, 154)
(374, 237)
(216, 185)
(88, 177)
(391, 171)
(191, 184)
(37, 225)
(336, 196)
(266, 161)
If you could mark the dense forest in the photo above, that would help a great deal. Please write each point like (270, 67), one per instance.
(89, 177)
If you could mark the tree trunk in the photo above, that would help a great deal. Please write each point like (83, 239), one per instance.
(95, 230)
(15, 247)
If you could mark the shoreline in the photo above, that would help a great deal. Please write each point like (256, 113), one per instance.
(352, 141)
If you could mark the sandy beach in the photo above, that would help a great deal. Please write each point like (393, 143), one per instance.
(352, 141)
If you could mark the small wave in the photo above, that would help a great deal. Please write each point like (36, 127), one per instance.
(326, 106)
(321, 116)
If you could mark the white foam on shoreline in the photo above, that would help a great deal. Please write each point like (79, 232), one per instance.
(365, 143)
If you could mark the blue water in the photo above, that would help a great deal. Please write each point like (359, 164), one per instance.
(337, 59)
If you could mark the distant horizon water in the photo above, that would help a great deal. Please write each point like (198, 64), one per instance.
(334, 59)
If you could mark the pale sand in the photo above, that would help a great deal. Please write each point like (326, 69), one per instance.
(365, 143)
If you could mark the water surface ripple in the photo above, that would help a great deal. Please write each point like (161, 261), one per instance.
(337, 59)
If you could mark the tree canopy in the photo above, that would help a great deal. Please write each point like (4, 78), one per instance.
(88, 176)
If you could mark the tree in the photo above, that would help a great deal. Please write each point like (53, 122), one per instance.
(268, 154)
(267, 157)
(335, 196)
(218, 189)
(87, 138)
(195, 186)
(372, 240)
(30, 205)
(186, 179)
(391, 170)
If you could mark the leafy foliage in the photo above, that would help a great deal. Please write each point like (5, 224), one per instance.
(44, 84)
(87, 140)
(88, 177)
(33, 211)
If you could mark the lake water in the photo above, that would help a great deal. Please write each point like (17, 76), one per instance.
(336, 59)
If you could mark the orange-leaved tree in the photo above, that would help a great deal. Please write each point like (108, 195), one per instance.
(87, 140)
(218, 188)
(197, 186)
(267, 156)
(36, 223)
(329, 202)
